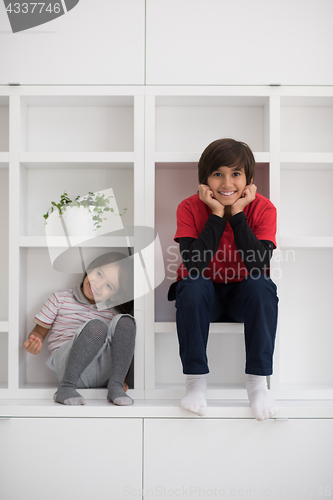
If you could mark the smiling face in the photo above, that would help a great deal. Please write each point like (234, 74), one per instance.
(102, 283)
(227, 184)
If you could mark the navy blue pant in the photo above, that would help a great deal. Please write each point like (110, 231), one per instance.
(252, 301)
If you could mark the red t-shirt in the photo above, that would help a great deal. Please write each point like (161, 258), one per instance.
(226, 265)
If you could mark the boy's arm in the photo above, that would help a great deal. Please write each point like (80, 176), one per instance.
(255, 253)
(36, 338)
(197, 253)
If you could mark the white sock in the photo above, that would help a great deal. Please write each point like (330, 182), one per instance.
(195, 396)
(262, 403)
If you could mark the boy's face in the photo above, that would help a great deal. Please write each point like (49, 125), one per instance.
(227, 184)
(101, 283)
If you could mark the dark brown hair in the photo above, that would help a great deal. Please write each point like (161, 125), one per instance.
(125, 276)
(226, 153)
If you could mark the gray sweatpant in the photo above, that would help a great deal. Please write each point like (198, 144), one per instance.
(98, 372)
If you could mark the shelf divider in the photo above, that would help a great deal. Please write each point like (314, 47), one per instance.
(14, 257)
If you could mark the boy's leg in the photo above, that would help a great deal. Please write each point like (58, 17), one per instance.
(122, 350)
(257, 295)
(194, 301)
(84, 349)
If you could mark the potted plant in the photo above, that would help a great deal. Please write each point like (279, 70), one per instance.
(97, 204)
(80, 220)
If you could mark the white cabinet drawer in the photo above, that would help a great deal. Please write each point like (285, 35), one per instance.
(240, 458)
(66, 458)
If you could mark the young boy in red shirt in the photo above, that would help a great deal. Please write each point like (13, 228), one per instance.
(226, 234)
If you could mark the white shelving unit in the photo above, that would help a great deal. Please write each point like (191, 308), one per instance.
(145, 143)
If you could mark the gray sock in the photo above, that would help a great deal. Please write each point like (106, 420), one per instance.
(84, 349)
(122, 349)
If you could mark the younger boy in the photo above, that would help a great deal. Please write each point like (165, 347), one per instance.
(226, 234)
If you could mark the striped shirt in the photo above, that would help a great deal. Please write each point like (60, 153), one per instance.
(65, 312)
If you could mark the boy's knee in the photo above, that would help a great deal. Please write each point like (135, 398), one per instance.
(259, 284)
(195, 287)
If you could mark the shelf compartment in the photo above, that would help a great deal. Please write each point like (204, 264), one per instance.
(174, 182)
(4, 160)
(3, 354)
(4, 326)
(306, 124)
(190, 123)
(299, 216)
(38, 280)
(34, 201)
(4, 125)
(224, 368)
(72, 123)
(4, 251)
(304, 319)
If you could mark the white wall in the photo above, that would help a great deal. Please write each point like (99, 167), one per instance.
(97, 42)
(240, 42)
(192, 42)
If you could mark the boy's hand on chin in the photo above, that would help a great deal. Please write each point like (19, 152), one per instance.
(248, 195)
(206, 195)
